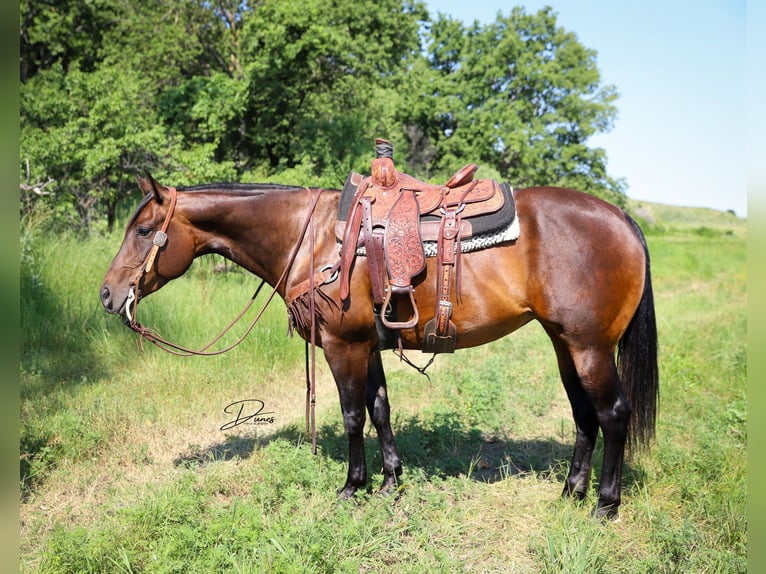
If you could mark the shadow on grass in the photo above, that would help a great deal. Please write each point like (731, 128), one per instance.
(56, 343)
(441, 446)
(57, 355)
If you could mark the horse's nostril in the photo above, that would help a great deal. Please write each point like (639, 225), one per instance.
(106, 297)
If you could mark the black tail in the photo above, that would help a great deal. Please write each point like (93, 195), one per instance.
(637, 361)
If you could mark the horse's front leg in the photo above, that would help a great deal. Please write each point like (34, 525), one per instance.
(380, 413)
(349, 363)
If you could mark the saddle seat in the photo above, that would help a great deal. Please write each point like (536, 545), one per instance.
(391, 213)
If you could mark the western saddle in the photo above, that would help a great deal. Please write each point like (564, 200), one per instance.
(390, 215)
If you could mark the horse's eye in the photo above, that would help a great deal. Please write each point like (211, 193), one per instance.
(143, 231)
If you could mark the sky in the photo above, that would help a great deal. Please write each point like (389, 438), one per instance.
(680, 69)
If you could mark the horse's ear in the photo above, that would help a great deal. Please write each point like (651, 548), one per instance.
(144, 184)
(151, 185)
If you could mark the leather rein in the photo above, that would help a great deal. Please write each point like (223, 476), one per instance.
(159, 241)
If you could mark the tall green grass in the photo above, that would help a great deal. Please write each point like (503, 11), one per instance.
(124, 468)
(84, 380)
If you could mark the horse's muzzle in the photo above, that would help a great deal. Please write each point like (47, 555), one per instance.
(111, 305)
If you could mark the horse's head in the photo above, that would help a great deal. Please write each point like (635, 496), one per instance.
(158, 246)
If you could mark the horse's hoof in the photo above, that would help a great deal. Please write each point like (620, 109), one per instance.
(390, 484)
(608, 513)
(347, 492)
(391, 488)
(576, 494)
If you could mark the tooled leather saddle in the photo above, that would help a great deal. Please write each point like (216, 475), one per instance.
(390, 214)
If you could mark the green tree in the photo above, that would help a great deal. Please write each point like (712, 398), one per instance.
(54, 32)
(89, 119)
(90, 134)
(167, 40)
(87, 132)
(172, 41)
(310, 71)
(521, 95)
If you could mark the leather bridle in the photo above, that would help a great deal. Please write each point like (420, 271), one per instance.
(158, 241)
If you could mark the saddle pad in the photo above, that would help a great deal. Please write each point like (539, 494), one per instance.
(480, 225)
(473, 243)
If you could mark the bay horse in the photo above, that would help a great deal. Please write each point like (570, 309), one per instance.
(580, 267)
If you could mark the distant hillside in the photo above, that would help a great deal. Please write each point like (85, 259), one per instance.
(662, 218)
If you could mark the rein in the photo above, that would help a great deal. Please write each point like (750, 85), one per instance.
(159, 241)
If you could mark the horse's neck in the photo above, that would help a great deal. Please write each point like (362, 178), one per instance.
(259, 231)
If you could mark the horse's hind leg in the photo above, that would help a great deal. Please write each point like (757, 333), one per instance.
(598, 376)
(380, 413)
(586, 423)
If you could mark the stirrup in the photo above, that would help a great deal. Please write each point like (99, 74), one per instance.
(412, 322)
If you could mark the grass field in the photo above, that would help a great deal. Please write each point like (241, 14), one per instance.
(124, 467)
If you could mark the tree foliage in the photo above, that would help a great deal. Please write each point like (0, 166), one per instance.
(276, 89)
(521, 95)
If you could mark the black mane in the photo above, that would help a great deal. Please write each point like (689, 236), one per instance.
(144, 200)
(239, 187)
